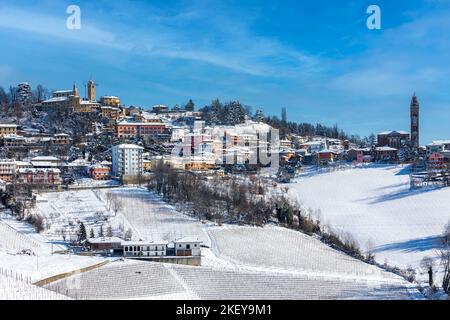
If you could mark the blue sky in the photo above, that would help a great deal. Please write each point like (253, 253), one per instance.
(316, 58)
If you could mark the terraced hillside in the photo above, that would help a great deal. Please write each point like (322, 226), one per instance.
(153, 280)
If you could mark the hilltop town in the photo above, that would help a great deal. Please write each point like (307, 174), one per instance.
(182, 185)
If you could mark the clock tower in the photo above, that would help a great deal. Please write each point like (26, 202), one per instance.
(415, 122)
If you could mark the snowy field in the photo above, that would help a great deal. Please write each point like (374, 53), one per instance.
(375, 205)
(164, 281)
(282, 250)
(143, 212)
(153, 219)
(39, 263)
(14, 289)
(243, 262)
(62, 211)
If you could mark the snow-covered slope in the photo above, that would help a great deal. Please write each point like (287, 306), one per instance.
(153, 219)
(283, 250)
(375, 204)
(37, 262)
(14, 289)
(148, 280)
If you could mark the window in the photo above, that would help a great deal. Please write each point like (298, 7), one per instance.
(188, 246)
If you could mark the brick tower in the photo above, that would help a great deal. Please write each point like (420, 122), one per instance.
(91, 90)
(415, 122)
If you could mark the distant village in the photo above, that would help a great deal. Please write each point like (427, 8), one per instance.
(141, 139)
(123, 145)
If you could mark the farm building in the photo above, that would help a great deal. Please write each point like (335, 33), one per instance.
(106, 244)
(187, 246)
(144, 249)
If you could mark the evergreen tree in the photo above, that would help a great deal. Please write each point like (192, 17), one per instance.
(82, 234)
(4, 101)
(372, 140)
(109, 232)
(190, 106)
(92, 235)
(101, 233)
(259, 115)
(128, 235)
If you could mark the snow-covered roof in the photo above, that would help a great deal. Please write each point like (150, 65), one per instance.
(439, 143)
(144, 243)
(34, 170)
(77, 163)
(7, 161)
(385, 133)
(87, 102)
(110, 97)
(105, 240)
(129, 123)
(23, 164)
(43, 164)
(385, 149)
(328, 151)
(14, 137)
(56, 99)
(187, 240)
(129, 146)
(313, 143)
(45, 158)
(8, 125)
(63, 91)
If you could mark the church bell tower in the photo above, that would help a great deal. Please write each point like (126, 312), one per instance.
(91, 90)
(415, 122)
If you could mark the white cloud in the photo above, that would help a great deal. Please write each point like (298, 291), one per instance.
(229, 44)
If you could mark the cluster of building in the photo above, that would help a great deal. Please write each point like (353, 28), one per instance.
(191, 144)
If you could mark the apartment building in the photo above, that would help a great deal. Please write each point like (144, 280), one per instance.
(127, 160)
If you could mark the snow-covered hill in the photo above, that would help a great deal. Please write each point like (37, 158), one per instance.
(148, 280)
(376, 205)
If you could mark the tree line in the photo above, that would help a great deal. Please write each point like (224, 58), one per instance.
(237, 200)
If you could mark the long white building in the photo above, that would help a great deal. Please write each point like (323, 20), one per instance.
(127, 160)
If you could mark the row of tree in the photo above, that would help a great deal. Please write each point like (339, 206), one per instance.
(232, 113)
(8, 98)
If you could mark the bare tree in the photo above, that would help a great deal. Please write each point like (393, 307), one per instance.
(116, 204)
(445, 259)
(427, 264)
(109, 197)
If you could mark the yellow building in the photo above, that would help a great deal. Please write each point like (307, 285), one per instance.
(71, 100)
(8, 129)
(110, 101)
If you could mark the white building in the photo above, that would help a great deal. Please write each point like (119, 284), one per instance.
(144, 249)
(127, 160)
(187, 246)
(7, 169)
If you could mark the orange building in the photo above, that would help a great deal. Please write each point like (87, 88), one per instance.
(134, 130)
(99, 173)
(436, 162)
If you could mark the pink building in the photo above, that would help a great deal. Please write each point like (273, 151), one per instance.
(436, 162)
